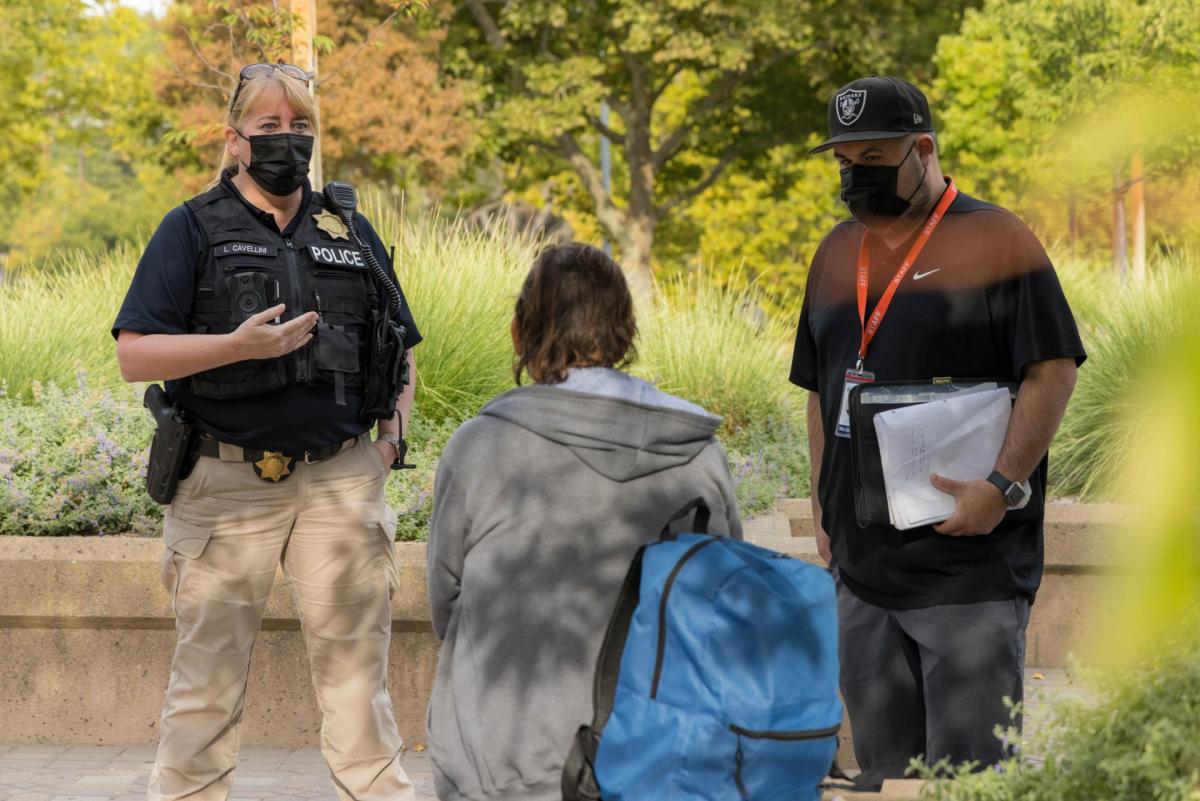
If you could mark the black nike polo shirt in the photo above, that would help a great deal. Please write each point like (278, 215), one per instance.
(981, 301)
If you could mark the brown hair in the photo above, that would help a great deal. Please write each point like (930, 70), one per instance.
(574, 310)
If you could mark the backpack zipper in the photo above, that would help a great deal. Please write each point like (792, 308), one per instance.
(662, 612)
(739, 757)
(813, 734)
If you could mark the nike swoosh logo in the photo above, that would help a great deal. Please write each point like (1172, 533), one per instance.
(917, 276)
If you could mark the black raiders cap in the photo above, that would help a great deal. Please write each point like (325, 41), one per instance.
(877, 107)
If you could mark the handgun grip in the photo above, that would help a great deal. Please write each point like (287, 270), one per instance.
(156, 401)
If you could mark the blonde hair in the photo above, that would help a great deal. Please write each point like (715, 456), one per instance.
(253, 93)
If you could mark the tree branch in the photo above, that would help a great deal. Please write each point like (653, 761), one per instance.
(354, 56)
(606, 211)
(605, 131)
(657, 91)
(721, 91)
(200, 55)
(193, 81)
(487, 24)
(696, 189)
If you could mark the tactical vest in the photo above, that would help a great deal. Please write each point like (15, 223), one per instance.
(248, 268)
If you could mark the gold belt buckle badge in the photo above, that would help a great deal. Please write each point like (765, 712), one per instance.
(273, 466)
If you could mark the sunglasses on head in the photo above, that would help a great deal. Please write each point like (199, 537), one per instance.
(252, 72)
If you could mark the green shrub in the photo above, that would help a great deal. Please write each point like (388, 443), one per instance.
(1122, 335)
(1139, 742)
(695, 341)
(462, 285)
(708, 344)
(73, 461)
(56, 319)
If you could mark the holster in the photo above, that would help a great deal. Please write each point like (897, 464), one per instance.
(387, 371)
(171, 451)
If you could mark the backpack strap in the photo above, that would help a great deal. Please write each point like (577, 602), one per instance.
(608, 666)
(700, 524)
(579, 777)
(579, 773)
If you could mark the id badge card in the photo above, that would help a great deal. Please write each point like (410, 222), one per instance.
(853, 379)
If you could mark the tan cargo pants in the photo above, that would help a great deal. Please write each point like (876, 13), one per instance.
(225, 533)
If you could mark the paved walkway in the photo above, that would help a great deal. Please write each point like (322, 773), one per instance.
(117, 773)
(120, 773)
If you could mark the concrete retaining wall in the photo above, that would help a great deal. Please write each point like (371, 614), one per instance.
(86, 632)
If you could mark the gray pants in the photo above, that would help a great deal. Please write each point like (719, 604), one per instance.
(929, 681)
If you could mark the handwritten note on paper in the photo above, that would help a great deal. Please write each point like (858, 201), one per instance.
(959, 437)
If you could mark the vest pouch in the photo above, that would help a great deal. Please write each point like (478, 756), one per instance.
(387, 368)
(337, 349)
(241, 379)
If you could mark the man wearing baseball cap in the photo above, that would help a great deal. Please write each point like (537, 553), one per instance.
(926, 282)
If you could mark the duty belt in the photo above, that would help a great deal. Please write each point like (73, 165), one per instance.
(268, 465)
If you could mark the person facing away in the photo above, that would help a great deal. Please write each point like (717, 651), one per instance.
(540, 504)
(932, 619)
(250, 303)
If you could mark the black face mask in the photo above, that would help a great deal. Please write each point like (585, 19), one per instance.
(279, 162)
(870, 191)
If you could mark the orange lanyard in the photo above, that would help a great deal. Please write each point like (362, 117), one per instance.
(869, 327)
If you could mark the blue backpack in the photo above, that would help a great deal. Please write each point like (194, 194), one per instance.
(718, 678)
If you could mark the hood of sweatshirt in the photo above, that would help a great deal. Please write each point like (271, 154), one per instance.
(618, 438)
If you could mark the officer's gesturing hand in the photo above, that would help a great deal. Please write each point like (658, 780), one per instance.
(258, 339)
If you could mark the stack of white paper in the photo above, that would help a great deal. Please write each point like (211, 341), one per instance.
(958, 437)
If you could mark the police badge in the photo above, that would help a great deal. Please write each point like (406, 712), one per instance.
(332, 225)
(273, 466)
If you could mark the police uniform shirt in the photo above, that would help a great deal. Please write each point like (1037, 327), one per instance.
(159, 301)
(981, 301)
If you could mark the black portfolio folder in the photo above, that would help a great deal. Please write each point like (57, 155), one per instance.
(868, 400)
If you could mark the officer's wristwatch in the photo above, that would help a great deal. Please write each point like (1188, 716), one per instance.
(393, 440)
(1014, 494)
(401, 447)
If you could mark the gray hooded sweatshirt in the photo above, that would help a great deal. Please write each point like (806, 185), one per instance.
(539, 506)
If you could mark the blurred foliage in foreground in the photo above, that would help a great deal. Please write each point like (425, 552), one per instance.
(1140, 741)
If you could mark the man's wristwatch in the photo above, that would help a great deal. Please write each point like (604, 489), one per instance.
(1014, 494)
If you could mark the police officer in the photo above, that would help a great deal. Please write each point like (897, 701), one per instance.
(253, 303)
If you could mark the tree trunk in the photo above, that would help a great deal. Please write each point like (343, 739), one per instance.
(637, 245)
(305, 57)
(637, 241)
(1137, 202)
(1120, 259)
(1073, 221)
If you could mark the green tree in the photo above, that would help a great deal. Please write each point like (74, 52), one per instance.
(388, 113)
(1039, 101)
(696, 88)
(77, 122)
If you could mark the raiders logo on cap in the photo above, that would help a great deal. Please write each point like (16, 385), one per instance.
(850, 105)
